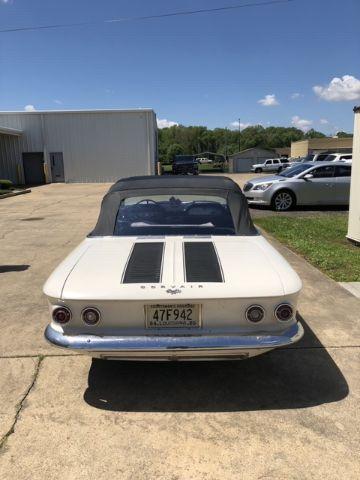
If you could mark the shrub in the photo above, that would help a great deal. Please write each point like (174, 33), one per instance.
(6, 185)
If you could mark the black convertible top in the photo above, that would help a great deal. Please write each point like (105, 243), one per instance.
(174, 181)
(180, 184)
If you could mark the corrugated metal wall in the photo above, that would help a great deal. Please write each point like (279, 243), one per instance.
(242, 165)
(98, 146)
(11, 147)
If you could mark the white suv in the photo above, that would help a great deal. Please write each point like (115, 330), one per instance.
(339, 157)
(329, 157)
(270, 165)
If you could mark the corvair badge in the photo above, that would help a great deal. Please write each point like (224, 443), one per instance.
(173, 291)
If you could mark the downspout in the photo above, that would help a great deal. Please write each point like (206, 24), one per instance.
(47, 170)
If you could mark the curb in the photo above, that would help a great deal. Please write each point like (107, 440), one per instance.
(14, 194)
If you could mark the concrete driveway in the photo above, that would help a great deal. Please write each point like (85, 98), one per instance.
(290, 414)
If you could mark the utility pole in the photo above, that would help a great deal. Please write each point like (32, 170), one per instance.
(226, 149)
(239, 136)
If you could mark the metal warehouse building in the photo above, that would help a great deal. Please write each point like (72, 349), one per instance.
(77, 146)
(244, 160)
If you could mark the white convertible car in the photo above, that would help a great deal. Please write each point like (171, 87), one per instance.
(174, 270)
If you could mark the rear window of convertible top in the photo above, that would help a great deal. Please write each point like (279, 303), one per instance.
(174, 215)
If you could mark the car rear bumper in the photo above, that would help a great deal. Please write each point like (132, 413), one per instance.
(194, 347)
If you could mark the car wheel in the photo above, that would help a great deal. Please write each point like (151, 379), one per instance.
(279, 169)
(258, 170)
(283, 201)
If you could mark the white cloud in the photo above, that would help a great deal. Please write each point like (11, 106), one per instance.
(164, 123)
(339, 89)
(269, 101)
(296, 95)
(58, 102)
(323, 121)
(29, 108)
(6, 1)
(235, 125)
(301, 123)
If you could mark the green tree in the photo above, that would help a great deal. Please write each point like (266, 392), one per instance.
(192, 140)
(344, 135)
(314, 134)
(174, 149)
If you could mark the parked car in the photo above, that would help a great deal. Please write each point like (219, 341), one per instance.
(174, 269)
(328, 157)
(270, 165)
(316, 157)
(204, 161)
(312, 183)
(339, 157)
(185, 164)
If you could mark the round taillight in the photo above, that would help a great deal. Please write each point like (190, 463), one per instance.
(61, 315)
(284, 312)
(91, 316)
(255, 313)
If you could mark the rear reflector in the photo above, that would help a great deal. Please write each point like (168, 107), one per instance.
(201, 262)
(61, 315)
(144, 264)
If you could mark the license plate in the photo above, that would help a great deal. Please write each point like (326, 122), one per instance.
(173, 316)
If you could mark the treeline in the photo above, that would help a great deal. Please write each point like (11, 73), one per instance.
(180, 140)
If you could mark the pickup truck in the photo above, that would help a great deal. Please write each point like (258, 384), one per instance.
(185, 164)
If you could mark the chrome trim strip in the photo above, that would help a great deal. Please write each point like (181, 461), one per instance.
(175, 345)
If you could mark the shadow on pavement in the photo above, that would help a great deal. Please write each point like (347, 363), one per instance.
(297, 377)
(302, 208)
(13, 268)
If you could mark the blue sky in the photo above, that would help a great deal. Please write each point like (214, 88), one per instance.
(207, 69)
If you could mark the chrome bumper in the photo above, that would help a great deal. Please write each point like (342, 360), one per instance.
(175, 347)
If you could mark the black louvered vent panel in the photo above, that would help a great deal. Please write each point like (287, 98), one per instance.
(201, 262)
(144, 265)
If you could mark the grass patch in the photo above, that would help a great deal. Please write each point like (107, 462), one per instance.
(321, 240)
(211, 167)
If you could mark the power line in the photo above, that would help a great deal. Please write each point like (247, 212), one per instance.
(144, 18)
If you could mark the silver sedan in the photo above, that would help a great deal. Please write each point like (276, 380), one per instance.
(315, 183)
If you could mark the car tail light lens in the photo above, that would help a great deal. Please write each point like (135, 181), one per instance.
(284, 312)
(91, 316)
(61, 315)
(255, 313)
